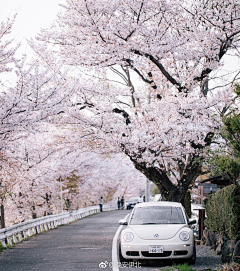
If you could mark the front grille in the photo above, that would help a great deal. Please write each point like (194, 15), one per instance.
(164, 254)
(180, 252)
(132, 253)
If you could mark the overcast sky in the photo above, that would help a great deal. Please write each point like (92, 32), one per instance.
(32, 15)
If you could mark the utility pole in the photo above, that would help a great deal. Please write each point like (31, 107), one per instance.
(147, 191)
(2, 207)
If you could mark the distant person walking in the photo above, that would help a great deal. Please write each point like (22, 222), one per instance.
(101, 203)
(122, 202)
(119, 203)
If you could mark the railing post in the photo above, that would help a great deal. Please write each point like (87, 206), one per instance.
(25, 234)
(38, 229)
(20, 236)
(34, 230)
(45, 227)
(9, 240)
(29, 232)
(15, 239)
(41, 227)
(3, 243)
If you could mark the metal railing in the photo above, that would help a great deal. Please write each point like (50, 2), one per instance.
(110, 207)
(18, 232)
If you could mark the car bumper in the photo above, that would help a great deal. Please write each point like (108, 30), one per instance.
(131, 206)
(170, 250)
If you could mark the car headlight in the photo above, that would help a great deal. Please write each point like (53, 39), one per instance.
(184, 236)
(128, 237)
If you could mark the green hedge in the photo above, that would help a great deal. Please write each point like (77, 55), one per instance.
(223, 212)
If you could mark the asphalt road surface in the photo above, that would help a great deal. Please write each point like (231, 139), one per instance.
(81, 245)
(88, 244)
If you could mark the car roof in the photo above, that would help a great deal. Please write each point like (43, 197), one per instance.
(159, 203)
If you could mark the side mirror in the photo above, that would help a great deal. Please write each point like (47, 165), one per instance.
(122, 222)
(192, 221)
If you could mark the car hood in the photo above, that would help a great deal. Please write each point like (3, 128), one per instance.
(156, 232)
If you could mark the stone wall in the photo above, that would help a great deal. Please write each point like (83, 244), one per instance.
(229, 249)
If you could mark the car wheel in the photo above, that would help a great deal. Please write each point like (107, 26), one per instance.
(121, 258)
(192, 260)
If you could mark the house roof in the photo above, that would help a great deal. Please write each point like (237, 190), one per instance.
(217, 180)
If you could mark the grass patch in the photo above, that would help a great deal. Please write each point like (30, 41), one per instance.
(2, 248)
(180, 267)
(94, 214)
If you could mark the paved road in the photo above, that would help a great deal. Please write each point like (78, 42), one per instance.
(82, 245)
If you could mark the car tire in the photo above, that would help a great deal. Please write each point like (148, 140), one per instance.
(121, 258)
(192, 260)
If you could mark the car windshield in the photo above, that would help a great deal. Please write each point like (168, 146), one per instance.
(157, 215)
(133, 199)
(157, 197)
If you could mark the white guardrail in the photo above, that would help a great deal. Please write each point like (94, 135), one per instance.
(16, 233)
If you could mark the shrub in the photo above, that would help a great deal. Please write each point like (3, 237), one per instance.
(223, 212)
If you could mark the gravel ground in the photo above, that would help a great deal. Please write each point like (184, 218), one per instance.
(207, 258)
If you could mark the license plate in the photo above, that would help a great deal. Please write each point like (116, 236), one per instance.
(155, 249)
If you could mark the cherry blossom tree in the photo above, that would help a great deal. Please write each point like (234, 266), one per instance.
(106, 175)
(7, 59)
(31, 93)
(35, 185)
(7, 47)
(40, 147)
(162, 113)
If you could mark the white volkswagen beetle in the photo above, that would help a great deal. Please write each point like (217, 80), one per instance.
(157, 230)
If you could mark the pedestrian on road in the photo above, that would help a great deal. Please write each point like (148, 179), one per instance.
(101, 203)
(119, 203)
(122, 202)
(143, 198)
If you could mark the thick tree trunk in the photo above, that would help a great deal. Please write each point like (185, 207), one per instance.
(169, 191)
(186, 202)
